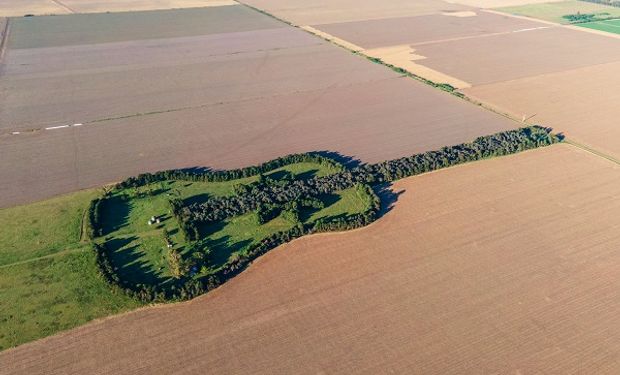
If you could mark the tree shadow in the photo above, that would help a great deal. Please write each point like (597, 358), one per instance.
(387, 196)
(279, 175)
(197, 199)
(306, 175)
(126, 258)
(222, 249)
(115, 214)
(347, 161)
(328, 200)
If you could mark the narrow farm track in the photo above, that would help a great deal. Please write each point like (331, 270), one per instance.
(592, 151)
(64, 6)
(60, 253)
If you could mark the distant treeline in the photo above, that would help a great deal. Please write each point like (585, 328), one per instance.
(613, 3)
(228, 175)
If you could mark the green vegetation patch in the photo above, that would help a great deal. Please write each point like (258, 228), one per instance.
(610, 26)
(49, 295)
(564, 12)
(42, 228)
(147, 245)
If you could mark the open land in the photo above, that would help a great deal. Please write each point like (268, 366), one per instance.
(555, 11)
(50, 281)
(312, 12)
(18, 8)
(236, 98)
(475, 49)
(591, 116)
(530, 285)
(48, 278)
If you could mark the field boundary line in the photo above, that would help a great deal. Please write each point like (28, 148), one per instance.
(403, 72)
(66, 7)
(526, 18)
(592, 151)
(4, 42)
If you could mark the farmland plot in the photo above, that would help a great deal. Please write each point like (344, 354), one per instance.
(235, 98)
(531, 285)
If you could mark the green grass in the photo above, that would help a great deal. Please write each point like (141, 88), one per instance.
(139, 250)
(48, 278)
(42, 228)
(49, 295)
(556, 11)
(610, 26)
(235, 235)
(49, 281)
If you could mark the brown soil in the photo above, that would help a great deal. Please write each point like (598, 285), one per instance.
(503, 266)
(18, 8)
(233, 99)
(423, 29)
(315, 12)
(578, 102)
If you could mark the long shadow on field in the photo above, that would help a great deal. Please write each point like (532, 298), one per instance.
(388, 197)
(115, 214)
(127, 259)
(222, 248)
(345, 160)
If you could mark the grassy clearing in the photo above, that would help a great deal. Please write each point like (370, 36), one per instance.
(42, 228)
(49, 295)
(48, 278)
(49, 281)
(610, 26)
(232, 237)
(556, 11)
(140, 251)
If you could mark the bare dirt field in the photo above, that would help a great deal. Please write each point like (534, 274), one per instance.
(529, 286)
(498, 3)
(87, 29)
(578, 102)
(233, 99)
(423, 29)
(314, 12)
(18, 8)
(381, 120)
(515, 55)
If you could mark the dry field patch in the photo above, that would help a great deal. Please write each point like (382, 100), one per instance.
(514, 55)
(501, 266)
(19, 8)
(101, 6)
(578, 102)
(315, 12)
(434, 28)
(499, 3)
(198, 94)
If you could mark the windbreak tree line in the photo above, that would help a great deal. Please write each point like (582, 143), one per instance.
(268, 198)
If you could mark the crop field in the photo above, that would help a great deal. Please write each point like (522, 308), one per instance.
(590, 118)
(485, 54)
(81, 108)
(556, 11)
(527, 286)
(18, 8)
(610, 26)
(313, 12)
